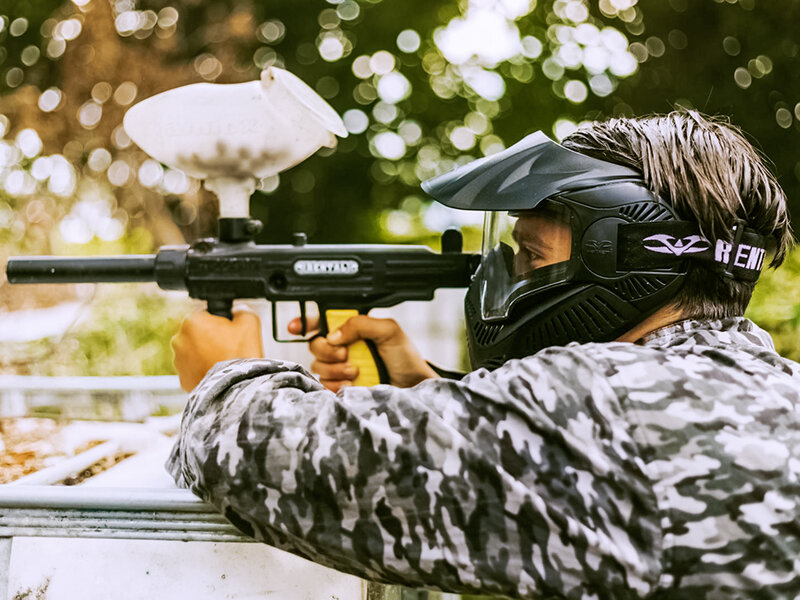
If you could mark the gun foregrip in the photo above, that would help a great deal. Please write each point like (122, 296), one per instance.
(362, 354)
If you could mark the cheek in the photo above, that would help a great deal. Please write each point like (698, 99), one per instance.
(562, 249)
(519, 263)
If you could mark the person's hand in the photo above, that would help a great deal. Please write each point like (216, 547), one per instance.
(405, 366)
(204, 339)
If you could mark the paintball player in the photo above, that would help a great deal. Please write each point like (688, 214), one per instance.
(626, 432)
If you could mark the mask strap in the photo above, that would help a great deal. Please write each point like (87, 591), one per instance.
(723, 248)
(652, 246)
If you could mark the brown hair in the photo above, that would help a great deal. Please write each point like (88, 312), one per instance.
(711, 174)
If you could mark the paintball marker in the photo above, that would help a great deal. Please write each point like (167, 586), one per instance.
(271, 124)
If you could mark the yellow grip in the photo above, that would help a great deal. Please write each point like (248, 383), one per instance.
(359, 354)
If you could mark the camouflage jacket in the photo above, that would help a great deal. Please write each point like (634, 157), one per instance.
(664, 469)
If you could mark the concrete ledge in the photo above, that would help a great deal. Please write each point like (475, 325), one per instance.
(117, 513)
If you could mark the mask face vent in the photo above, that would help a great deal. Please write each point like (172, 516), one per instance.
(640, 286)
(590, 319)
(484, 334)
(645, 212)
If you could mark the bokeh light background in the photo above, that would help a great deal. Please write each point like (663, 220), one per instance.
(421, 86)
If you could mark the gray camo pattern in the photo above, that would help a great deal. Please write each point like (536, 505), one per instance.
(666, 469)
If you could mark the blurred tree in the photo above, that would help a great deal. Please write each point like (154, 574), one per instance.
(723, 57)
(422, 86)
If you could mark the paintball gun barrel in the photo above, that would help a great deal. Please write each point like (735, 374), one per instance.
(341, 279)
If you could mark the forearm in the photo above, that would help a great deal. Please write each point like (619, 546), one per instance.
(221, 412)
(343, 479)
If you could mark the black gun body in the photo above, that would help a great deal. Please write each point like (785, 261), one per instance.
(334, 276)
(358, 277)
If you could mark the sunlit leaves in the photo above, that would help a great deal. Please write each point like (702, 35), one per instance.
(731, 46)
(575, 11)
(355, 120)
(136, 22)
(208, 66)
(99, 160)
(18, 26)
(389, 145)
(742, 77)
(481, 36)
(271, 32)
(393, 87)
(89, 114)
(125, 93)
(408, 41)
(29, 143)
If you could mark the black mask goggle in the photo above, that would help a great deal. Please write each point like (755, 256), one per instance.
(600, 250)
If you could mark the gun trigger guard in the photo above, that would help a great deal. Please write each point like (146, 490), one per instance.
(304, 337)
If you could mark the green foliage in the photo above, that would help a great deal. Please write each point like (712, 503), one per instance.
(127, 333)
(775, 305)
(724, 57)
(124, 329)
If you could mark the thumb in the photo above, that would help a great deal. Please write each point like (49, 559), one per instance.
(363, 327)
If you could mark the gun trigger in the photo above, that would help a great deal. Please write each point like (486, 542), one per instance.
(303, 321)
(274, 319)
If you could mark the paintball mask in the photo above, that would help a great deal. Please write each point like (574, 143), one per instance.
(575, 249)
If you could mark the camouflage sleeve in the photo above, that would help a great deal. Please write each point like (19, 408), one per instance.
(521, 482)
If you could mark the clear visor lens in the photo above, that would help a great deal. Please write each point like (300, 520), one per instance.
(523, 253)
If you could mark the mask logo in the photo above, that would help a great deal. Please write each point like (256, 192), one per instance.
(667, 244)
(598, 247)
